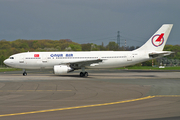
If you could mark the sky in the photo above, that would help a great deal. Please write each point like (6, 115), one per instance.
(88, 21)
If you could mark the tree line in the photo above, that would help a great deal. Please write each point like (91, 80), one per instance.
(8, 48)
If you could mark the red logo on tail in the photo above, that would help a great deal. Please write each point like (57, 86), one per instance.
(158, 40)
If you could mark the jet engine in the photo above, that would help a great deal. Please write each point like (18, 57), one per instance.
(62, 69)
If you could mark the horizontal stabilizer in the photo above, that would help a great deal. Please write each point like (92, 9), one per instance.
(159, 54)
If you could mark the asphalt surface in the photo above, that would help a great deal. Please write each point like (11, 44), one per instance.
(104, 95)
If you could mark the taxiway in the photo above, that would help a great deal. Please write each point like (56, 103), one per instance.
(105, 94)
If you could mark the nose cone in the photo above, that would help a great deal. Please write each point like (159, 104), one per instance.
(5, 62)
(8, 62)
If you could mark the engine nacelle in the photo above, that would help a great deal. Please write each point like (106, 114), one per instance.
(62, 69)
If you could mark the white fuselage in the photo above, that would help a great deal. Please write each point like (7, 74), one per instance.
(47, 60)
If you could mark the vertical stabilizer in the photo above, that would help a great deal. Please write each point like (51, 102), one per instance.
(158, 40)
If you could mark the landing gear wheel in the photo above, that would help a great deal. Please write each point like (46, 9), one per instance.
(81, 74)
(24, 73)
(85, 74)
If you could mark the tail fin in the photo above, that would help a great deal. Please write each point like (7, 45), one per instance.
(158, 40)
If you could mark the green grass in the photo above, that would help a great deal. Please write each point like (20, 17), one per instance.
(5, 69)
(150, 68)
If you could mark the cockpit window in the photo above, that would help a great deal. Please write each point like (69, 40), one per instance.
(11, 57)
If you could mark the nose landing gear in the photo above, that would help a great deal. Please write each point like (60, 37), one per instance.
(24, 73)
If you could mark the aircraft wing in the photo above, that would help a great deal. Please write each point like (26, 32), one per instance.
(157, 54)
(83, 63)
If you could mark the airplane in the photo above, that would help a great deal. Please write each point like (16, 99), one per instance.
(65, 62)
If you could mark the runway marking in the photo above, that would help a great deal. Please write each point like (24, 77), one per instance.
(88, 106)
(167, 95)
(77, 107)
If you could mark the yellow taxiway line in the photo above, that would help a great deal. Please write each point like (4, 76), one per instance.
(87, 106)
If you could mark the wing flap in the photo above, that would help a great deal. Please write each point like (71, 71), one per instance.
(83, 63)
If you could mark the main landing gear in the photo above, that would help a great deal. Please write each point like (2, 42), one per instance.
(24, 73)
(83, 73)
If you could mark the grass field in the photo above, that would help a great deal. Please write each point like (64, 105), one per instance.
(150, 68)
(5, 69)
